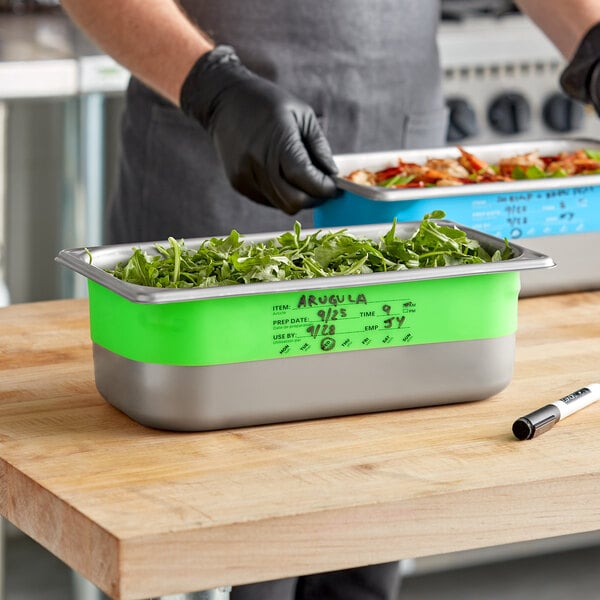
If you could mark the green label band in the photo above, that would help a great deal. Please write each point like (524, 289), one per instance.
(267, 326)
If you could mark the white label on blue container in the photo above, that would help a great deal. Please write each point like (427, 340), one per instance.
(514, 215)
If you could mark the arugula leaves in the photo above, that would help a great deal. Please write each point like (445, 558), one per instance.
(231, 261)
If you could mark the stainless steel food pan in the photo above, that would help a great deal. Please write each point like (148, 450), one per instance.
(209, 358)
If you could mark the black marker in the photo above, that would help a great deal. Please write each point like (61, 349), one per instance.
(545, 418)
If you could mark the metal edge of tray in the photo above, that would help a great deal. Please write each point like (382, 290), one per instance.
(77, 259)
(406, 194)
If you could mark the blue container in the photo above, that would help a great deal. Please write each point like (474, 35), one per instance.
(557, 216)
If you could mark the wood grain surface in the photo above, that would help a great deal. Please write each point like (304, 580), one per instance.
(142, 512)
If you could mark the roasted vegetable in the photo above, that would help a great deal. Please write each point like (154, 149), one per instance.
(468, 169)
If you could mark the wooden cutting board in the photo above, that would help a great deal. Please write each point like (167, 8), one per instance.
(143, 513)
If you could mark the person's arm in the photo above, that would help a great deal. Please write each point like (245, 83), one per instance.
(153, 39)
(565, 22)
(574, 28)
(270, 143)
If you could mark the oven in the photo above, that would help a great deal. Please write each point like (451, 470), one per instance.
(501, 77)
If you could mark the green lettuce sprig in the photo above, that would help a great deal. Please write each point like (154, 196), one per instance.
(292, 255)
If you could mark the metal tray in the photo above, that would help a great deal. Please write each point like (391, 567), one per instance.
(212, 358)
(491, 153)
(106, 257)
(559, 217)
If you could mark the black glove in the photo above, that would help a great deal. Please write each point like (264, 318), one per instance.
(581, 77)
(271, 144)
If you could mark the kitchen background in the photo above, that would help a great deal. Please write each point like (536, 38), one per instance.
(61, 101)
(60, 105)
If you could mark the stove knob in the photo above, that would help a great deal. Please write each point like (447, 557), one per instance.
(462, 120)
(510, 113)
(561, 113)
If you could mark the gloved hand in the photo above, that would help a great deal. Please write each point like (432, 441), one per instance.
(270, 143)
(581, 77)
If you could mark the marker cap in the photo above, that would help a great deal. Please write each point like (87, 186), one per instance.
(536, 423)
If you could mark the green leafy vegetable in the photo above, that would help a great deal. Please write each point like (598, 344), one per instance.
(397, 180)
(593, 154)
(231, 261)
(531, 172)
(559, 173)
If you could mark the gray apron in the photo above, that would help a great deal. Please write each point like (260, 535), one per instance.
(370, 70)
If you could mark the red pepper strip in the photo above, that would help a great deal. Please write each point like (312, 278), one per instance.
(387, 174)
(550, 159)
